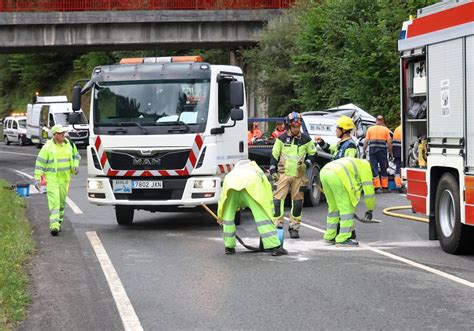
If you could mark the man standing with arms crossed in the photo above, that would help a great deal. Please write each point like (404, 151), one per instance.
(58, 160)
(288, 170)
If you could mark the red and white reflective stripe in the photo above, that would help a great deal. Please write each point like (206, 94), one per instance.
(442, 20)
(225, 168)
(188, 168)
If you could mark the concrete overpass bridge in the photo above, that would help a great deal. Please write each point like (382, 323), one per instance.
(110, 25)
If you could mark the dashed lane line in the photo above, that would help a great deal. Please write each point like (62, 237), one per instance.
(405, 260)
(19, 153)
(126, 311)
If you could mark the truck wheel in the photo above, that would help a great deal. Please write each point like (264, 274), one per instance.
(312, 196)
(7, 142)
(452, 234)
(124, 214)
(21, 142)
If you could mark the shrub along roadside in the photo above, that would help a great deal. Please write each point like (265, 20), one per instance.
(16, 245)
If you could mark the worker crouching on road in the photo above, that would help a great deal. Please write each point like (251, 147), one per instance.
(58, 160)
(346, 146)
(380, 142)
(288, 170)
(247, 186)
(343, 180)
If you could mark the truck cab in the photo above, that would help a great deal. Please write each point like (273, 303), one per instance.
(163, 133)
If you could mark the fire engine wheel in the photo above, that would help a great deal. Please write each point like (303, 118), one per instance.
(313, 195)
(124, 214)
(7, 142)
(452, 234)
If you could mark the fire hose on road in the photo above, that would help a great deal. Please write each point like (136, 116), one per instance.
(388, 211)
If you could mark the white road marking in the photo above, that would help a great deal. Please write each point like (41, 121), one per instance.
(404, 260)
(19, 153)
(23, 174)
(73, 206)
(127, 312)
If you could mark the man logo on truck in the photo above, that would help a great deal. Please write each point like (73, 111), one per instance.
(146, 161)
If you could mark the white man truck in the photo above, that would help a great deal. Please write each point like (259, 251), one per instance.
(437, 69)
(163, 133)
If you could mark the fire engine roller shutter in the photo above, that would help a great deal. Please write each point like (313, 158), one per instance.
(470, 101)
(445, 79)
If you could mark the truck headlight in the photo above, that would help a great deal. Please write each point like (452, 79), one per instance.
(206, 183)
(95, 184)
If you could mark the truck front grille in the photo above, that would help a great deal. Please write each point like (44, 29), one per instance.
(156, 160)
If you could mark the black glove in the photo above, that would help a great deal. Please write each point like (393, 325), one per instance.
(308, 163)
(368, 216)
(275, 177)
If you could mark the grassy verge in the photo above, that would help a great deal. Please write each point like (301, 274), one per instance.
(16, 245)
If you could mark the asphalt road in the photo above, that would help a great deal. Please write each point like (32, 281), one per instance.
(176, 276)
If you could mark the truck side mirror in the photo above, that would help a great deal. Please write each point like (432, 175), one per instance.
(76, 98)
(236, 94)
(74, 118)
(236, 114)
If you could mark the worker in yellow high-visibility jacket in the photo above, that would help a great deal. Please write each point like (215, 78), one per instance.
(346, 146)
(58, 160)
(343, 181)
(247, 186)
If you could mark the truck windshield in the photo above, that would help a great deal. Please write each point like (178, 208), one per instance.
(157, 105)
(63, 119)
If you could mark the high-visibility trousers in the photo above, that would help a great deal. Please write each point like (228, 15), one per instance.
(265, 226)
(340, 209)
(57, 193)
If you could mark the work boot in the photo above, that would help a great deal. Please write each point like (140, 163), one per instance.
(385, 190)
(55, 228)
(353, 235)
(378, 190)
(294, 233)
(348, 243)
(277, 251)
(402, 190)
(330, 242)
(229, 250)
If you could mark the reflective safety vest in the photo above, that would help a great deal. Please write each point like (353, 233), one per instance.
(57, 161)
(289, 152)
(249, 177)
(397, 142)
(356, 176)
(343, 148)
(377, 137)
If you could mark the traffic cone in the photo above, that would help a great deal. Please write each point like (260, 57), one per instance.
(43, 184)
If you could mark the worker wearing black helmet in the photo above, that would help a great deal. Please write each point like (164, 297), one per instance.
(288, 170)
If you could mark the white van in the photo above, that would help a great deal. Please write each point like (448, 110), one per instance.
(45, 112)
(14, 130)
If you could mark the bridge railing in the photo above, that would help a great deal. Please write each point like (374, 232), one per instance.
(105, 5)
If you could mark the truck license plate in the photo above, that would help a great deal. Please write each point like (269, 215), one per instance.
(147, 184)
(122, 185)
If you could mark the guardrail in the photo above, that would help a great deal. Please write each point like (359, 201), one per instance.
(106, 5)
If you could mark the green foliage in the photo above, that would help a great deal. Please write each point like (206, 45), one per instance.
(16, 246)
(333, 52)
